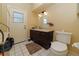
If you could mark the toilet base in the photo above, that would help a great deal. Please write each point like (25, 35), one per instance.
(55, 53)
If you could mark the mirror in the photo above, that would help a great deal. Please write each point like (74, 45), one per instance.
(43, 19)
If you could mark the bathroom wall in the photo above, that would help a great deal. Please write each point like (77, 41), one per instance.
(32, 22)
(64, 17)
(0, 13)
(4, 17)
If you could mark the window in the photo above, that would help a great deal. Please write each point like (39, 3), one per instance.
(18, 17)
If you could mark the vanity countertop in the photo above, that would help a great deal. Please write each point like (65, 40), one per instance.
(44, 30)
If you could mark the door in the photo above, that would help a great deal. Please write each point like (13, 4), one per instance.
(17, 25)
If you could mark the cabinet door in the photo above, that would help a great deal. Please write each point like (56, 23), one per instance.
(46, 36)
(34, 35)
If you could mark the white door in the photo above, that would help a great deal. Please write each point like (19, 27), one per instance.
(17, 25)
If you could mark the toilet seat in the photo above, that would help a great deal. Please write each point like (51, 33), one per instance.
(58, 46)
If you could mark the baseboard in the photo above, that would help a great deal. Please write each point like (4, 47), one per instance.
(20, 42)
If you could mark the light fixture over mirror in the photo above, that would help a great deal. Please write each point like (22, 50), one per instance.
(39, 15)
(45, 13)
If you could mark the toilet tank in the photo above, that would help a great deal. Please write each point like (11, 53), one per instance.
(64, 37)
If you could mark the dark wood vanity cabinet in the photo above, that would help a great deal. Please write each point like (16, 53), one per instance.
(42, 38)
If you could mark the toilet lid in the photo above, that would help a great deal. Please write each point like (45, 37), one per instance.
(58, 46)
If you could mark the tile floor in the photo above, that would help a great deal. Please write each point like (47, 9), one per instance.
(21, 50)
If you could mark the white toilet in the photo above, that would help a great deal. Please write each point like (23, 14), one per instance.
(59, 47)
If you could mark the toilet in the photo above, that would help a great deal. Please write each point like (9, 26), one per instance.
(59, 47)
